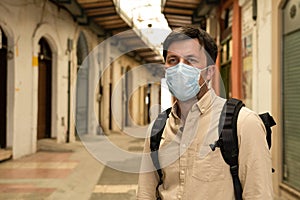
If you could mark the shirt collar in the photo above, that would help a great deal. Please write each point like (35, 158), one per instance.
(203, 104)
(206, 101)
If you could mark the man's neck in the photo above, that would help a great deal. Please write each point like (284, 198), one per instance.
(185, 106)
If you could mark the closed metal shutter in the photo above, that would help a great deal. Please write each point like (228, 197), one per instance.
(291, 109)
(82, 86)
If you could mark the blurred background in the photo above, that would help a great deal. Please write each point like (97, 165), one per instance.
(74, 69)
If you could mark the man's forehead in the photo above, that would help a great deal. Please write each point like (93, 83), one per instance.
(185, 45)
(185, 51)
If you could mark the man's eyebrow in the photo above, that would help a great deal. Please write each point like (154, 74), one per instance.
(191, 56)
(172, 55)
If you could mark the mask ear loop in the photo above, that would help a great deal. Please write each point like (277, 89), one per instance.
(205, 81)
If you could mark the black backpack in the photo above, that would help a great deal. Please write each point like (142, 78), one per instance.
(227, 142)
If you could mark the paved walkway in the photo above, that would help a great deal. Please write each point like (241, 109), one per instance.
(71, 171)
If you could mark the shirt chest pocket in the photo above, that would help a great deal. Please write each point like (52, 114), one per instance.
(209, 168)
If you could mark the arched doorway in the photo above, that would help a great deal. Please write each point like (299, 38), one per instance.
(44, 90)
(82, 86)
(3, 89)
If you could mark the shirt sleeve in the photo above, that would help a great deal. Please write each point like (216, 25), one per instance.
(148, 178)
(255, 165)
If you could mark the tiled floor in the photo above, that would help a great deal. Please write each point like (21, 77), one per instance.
(68, 172)
(21, 177)
(113, 185)
(23, 188)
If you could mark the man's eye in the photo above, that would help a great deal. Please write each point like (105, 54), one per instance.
(172, 60)
(192, 60)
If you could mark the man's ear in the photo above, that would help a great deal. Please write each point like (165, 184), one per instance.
(210, 72)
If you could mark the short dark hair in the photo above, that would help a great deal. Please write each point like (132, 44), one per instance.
(190, 32)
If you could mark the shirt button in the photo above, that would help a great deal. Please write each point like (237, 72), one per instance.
(182, 172)
(179, 196)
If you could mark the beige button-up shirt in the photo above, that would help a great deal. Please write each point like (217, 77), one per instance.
(192, 171)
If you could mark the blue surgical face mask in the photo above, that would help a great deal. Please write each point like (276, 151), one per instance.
(183, 81)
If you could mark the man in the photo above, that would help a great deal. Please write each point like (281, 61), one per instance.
(191, 170)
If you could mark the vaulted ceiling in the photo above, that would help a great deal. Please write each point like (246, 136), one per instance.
(104, 13)
(180, 12)
(106, 18)
(187, 12)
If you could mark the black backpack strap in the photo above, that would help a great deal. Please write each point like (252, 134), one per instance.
(228, 141)
(156, 133)
(268, 122)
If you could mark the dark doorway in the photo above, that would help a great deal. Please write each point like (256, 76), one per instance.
(225, 72)
(126, 96)
(3, 88)
(44, 90)
(148, 103)
(110, 108)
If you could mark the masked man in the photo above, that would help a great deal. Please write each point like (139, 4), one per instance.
(191, 169)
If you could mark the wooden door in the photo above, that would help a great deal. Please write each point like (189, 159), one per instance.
(3, 88)
(44, 91)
